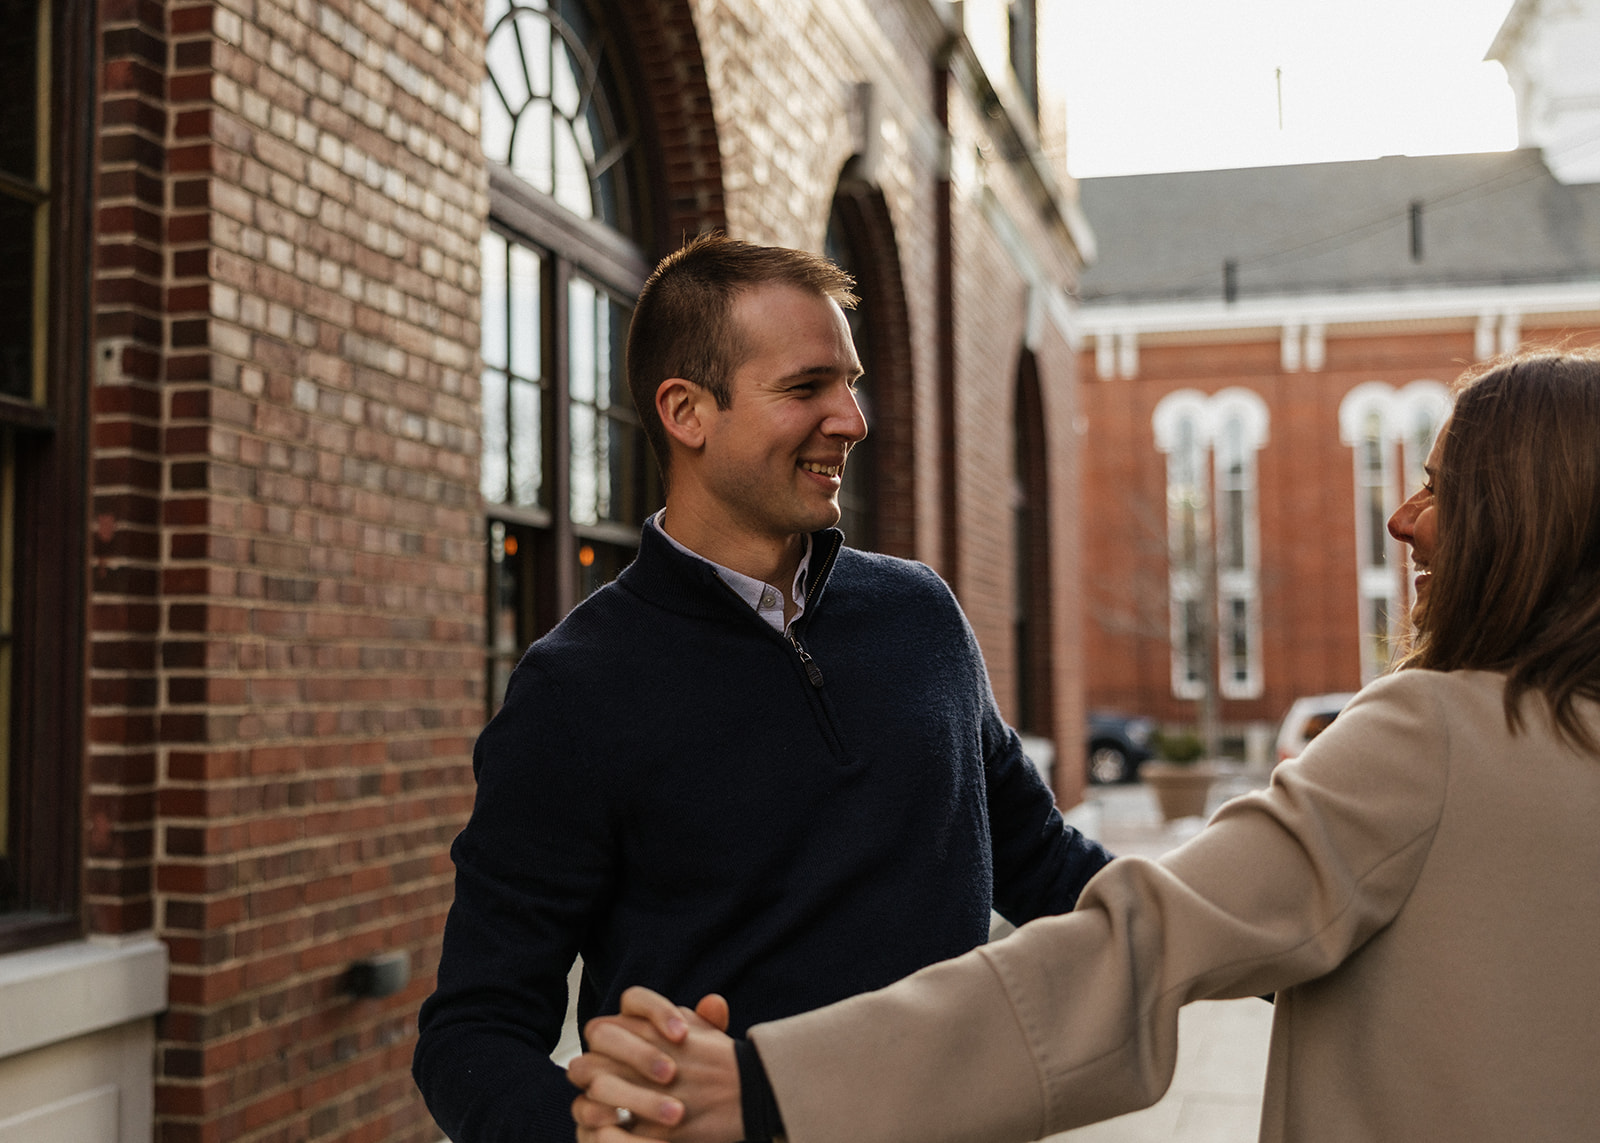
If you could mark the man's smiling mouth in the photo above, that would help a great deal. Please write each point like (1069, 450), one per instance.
(822, 469)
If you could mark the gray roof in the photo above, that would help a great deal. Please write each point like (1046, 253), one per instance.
(1485, 219)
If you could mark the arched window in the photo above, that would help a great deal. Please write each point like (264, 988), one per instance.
(553, 109)
(1213, 546)
(566, 476)
(1373, 419)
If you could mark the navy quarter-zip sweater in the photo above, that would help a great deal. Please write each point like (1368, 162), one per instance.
(669, 792)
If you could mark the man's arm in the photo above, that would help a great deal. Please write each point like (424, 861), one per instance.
(531, 864)
(1041, 863)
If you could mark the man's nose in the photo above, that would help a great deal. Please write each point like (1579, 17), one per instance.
(847, 420)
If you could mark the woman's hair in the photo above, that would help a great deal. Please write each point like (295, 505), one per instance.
(1516, 567)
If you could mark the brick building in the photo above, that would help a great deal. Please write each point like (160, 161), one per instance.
(1267, 360)
(309, 422)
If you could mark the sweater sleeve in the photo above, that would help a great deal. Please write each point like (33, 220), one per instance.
(1074, 1019)
(1041, 864)
(531, 865)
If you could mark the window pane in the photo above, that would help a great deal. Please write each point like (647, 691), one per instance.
(585, 492)
(1232, 556)
(525, 314)
(1193, 641)
(1239, 639)
(581, 357)
(497, 125)
(620, 453)
(572, 188)
(17, 306)
(564, 83)
(527, 443)
(534, 33)
(530, 155)
(494, 301)
(19, 88)
(613, 342)
(493, 470)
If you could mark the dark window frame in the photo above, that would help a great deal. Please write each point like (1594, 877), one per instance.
(545, 577)
(50, 440)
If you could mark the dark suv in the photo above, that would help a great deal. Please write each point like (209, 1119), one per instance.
(1117, 744)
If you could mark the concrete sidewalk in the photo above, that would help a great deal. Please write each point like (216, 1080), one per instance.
(1222, 1044)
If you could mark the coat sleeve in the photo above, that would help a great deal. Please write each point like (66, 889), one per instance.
(1074, 1019)
(532, 864)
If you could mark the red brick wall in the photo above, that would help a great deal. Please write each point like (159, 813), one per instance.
(287, 602)
(125, 528)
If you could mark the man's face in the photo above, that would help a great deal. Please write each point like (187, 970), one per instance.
(774, 457)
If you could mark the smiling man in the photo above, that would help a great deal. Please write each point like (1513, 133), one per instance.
(760, 764)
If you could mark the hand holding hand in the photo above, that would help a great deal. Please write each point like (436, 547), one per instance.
(658, 1071)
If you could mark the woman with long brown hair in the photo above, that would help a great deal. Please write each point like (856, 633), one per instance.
(1421, 887)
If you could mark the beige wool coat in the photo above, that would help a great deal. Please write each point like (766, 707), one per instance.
(1421, 888)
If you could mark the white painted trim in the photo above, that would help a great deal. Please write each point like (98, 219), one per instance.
(1465, 303)
(63, 991)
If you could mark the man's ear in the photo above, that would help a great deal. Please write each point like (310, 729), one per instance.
(683, 406)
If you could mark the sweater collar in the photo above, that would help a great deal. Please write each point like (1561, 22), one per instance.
(684, 583)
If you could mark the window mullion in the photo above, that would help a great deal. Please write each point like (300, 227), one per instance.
(560, 374)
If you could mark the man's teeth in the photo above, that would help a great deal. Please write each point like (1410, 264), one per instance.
(823, 469)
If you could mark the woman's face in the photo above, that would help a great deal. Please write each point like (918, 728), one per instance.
(1416, 523)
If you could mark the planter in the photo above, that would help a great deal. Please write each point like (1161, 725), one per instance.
(1181, 790)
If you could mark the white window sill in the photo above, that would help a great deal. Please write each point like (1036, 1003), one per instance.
(63, 991)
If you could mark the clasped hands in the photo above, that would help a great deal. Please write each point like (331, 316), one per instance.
(658, 1071)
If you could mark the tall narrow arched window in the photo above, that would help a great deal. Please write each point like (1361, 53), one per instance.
(1241, 431)
(1213, 550)
(1030, 532)
(566, 476)
(1373, 420)
(1182, 433)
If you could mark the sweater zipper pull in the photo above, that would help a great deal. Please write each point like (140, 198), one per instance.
(813, 672)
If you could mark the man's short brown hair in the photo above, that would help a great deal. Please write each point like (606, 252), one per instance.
(683, 324)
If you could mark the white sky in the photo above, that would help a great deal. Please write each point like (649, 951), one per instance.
(1172, 85)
